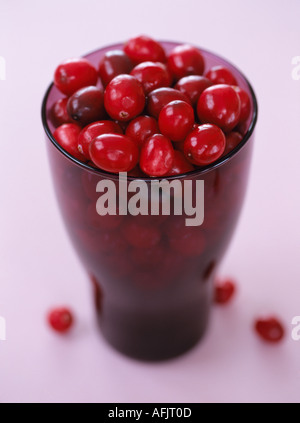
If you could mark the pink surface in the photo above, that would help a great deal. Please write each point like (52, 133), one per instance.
(39, 268)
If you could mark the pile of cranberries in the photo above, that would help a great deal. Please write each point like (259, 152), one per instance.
(147, 113)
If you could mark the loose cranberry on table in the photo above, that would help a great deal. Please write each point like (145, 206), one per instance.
(232, 140)
(143, 48)
(224, 290)
(86, 105)
(58, 114)
(269, 328)
(221, 75)
(94, 129)
(157, 155)
(113, 63)
(180, 165)
(152, 75)
(141, 128)
(74, 74)
(193, 86)
(204, 145)
(245, 103)
(114, 153)
(185, 60)
(60, 319)
(176, 120)
(220, 105)
(67, 137)
(160, 97)
(124, 98)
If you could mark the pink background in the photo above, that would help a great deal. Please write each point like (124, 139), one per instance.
(39, 268)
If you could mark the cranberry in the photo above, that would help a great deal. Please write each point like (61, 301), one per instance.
(74, 74)
(60, 319)
(86, 105)
(232, 140)
(221, 75)
(152, 75)
(204, 145)
(58, 113)
(141, 236)
(245, 103)
(114, 153)
(141, 128)
(114, 63)
(185, 60)
(180, 165)
(269, 329)
(124, 98)
(67, 137)
(157, 155)
(176, 120)
(149, 257)
(224, 291)
(158, 98)
(108, 221)
(192, 86)
(219, 104)
(142, 48)
(186, 240)
(94, 129)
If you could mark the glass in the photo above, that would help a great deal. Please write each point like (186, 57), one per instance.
(153, 275)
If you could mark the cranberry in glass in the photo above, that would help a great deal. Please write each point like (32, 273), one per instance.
(185, 60)
(180, 164)
(152, 75)
(67, 137)
(141, 236)
(143, 48)
(113, 63)
(86, 105)
(221, 75)
(176, 120)
(232, 140)
(141, 128)
(157, 155)
(192, 86)
(59, 114)
(158, 98)
(245, 103)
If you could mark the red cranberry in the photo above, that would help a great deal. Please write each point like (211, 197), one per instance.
(219, 104)
(67, 137)
(141, 236)
(142, 48)
(158, 98)
(60, 319)
(124, 98)
(232, 140)
(157, 155)
(141, 128)
(224, 291)
(108, 221)
(114, 153)
(86, 105)
(74, 74)
(221, 75)
(114, 63)
(58, 113)
(176, 120)
(192, 86)
(186, 240)
(245, 103)
(94, 129)
(185, 60)
(152, 75)
(269, 329)
(148, 257)
(180, 165)
(204, 145)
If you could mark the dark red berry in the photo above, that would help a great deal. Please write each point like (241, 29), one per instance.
(224, 291)
(245, 103)
(186, 240)
(67, 137)
(94, 129)
(142, 49)
(158, 98)
(269, 329)
(180, 164)
(152, 75)
(141, 236)
(193, 86)
(185, 60)
(114, 63)
(74, 74)
(124, 98)
(114, 153)
(141, 128)
(220, 105)
(232, 140)
(58, 114)
(60, 319)
(221, 75)
(86, 105)
(204, 145)
(176, 120)
(157, 155)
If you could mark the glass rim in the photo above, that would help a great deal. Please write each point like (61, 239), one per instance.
(192, 173)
